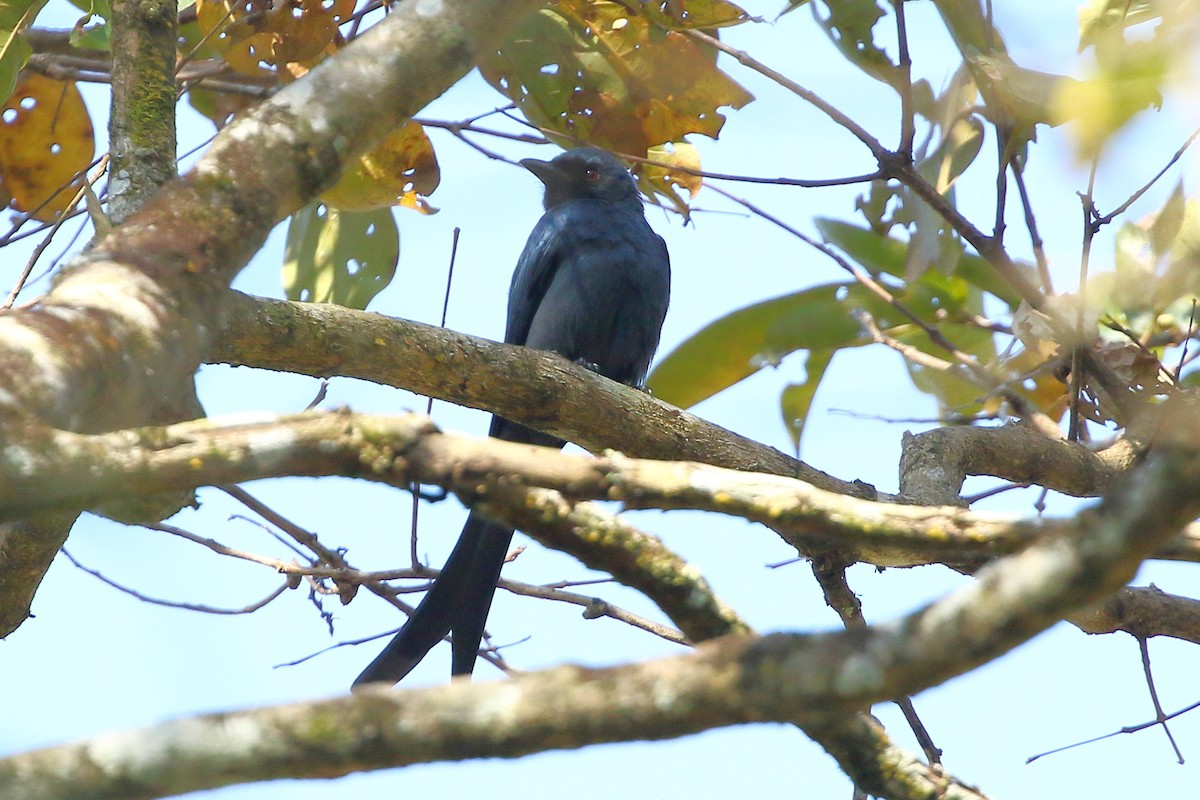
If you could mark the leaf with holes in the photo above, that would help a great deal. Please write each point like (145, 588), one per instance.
(46, 142)
(689, 14)
(343, 257)
(594, 71)
(254, 35)
(850, 26)
(667, 182)
(401, 171)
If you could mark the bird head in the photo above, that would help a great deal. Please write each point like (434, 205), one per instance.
(584, 173)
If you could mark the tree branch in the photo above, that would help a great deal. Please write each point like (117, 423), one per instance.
(934, 464)
(736, 680)
(117, 340)
(1142, 612)
(72, 470)
(534, 388)
(141, 123)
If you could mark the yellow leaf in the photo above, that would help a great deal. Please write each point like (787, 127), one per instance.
(46, 140)
(656, 180)
(400, 171)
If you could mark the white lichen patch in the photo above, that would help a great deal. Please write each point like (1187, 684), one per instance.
(16, 335)
(711, 480)
(110, 286)
(240, 418)
(860, 675)
(20, 459)
(144, 755)
(271, 445)
(302, 99)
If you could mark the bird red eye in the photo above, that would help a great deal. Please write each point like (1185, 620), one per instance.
(591, 173)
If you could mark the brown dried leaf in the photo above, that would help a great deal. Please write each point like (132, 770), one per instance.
(253, 34)
(595, 71)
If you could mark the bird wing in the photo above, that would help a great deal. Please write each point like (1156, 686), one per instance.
(535, 271)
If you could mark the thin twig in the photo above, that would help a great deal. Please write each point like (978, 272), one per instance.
(416, 487)
(205, 609)
(1075, 426)
(745, 59)
(908, 129)
(1035, 238)
(594, 608)
(102, 165)
(984, 378)
(1127, 729)
(1144, 647)
(830, 572)
(1104, 219)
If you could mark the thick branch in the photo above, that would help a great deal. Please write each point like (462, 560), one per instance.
(1142, 613)
(117, 340)
(64, 469)
(26, 549)
(632, 557)
(535, 388)
(935, 463)
(141, 123)
(794, 678)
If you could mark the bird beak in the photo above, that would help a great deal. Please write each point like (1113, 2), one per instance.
(546, 171)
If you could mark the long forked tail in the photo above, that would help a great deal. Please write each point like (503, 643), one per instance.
(460, 598)
(458, 601)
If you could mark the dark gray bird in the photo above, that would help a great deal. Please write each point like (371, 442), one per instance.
(592, 285)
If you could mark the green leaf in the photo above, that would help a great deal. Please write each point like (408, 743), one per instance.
(792, 5)
(1134, 268)
(95, 37)
(967, 25)
(797, 398)
(1168, 221)
(743, 342)
(954, 391)
(887, 255)
(1121, 86)
(850, 24)
(14, 50)
(341, 257)
(1182, 275)
(15, 53)
(957, 151)
(19, 14)
(1190, 380)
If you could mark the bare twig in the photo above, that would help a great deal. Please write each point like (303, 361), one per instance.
(1144, 647)
(206, 609)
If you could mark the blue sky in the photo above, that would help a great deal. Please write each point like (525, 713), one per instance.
(95, 660)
